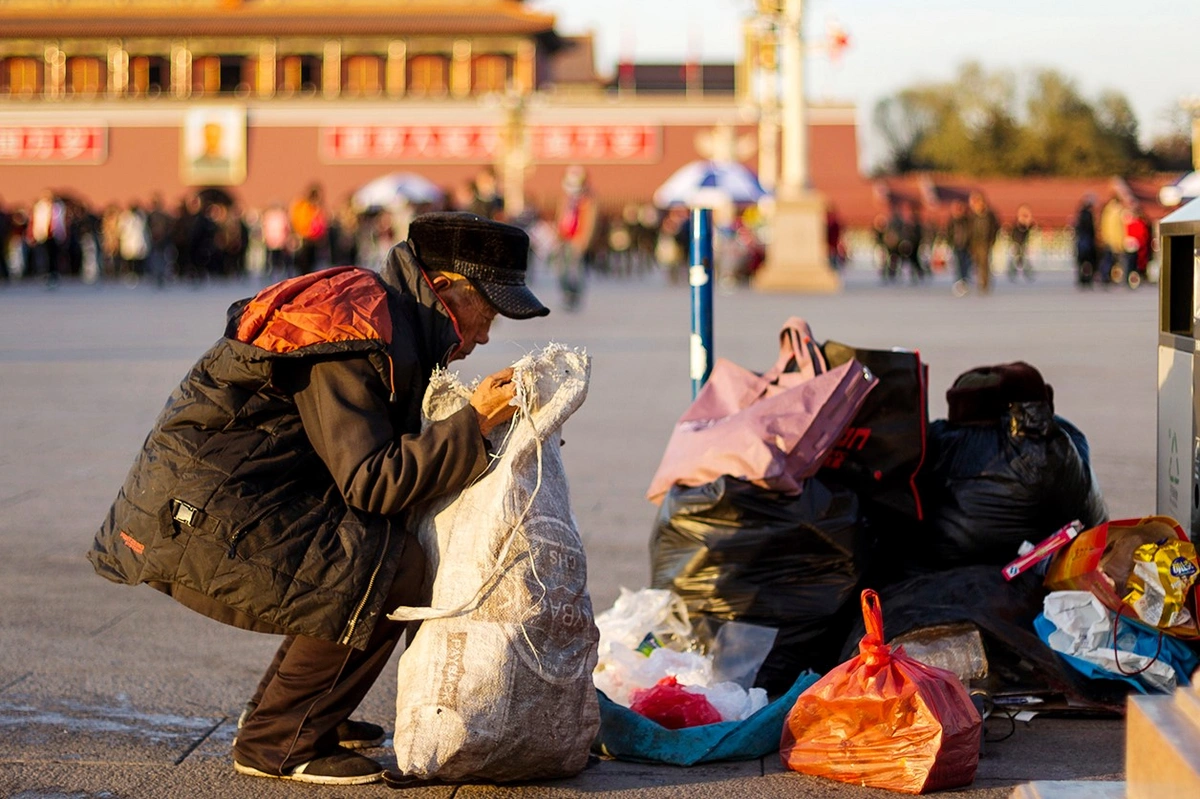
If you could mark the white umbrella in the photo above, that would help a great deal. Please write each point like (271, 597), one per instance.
(1186, 188)
(395, 189)
(701, 179)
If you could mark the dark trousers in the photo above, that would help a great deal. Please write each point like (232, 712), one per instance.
(962, 259)
(1108, 259)
(312, 686)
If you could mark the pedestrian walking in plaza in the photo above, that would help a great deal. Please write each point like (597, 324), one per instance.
(1136, 255)
(834, 245)
(576, 229)
(343, 237)
(620, 237)
(272, 492)
(671, 246)
(310, 224)
(903, 241)
(1085, 243)
(158, 227)
(46, 234)
(1112, 241)
(1019, 236)
(486, 200)
(958, 237)
(133, 242)
(276, 234)
(984, 230)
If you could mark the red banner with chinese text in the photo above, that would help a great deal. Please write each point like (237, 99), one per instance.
(431, 143)
(59, 144)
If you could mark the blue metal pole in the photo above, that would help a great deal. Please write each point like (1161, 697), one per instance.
(700, 277)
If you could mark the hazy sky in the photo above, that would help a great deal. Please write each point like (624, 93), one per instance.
(1149, 50)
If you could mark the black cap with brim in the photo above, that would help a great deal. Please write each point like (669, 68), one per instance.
(513, 301)
(492, 255)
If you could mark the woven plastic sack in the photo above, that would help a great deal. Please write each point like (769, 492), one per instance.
(884, 720)
(497, 684)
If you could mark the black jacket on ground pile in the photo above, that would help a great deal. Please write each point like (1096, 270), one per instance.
(270, 492)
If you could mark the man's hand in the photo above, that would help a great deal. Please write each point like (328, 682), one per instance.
(491, 400)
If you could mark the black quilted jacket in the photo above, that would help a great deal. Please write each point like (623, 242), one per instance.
(229, 507)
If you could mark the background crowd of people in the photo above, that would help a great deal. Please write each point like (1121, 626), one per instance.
(1116, 248)
(207, 235)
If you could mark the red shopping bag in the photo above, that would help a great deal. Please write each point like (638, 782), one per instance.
(773, 429)
(884, 720)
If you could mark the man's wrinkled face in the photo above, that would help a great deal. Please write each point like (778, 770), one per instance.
(473, 313)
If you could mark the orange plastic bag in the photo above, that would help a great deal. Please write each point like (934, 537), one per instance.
(884, 720)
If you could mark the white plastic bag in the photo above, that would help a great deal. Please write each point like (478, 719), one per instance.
(636, 614)
(731, 700)
(497, 683)
(658, 618)
(1085, 631)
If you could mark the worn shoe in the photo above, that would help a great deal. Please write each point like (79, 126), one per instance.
(359, 734)
(351, 734)
(340, 768)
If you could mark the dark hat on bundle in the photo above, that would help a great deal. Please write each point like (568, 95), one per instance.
(984, 393)
(492, 255)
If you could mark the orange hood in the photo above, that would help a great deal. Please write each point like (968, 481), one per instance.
(339, 304)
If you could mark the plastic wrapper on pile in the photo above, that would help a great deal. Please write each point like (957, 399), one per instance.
(1077, 625)
(496, 685)
(1162, 577)
(884, 720)
(636, 655)
(622, 671)
(957, 648)
(637, 614)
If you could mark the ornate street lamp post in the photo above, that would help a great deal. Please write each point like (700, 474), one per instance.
(797, 258)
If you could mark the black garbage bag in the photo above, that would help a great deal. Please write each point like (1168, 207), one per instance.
(734, 551)
(1019, 663)
(992, 486)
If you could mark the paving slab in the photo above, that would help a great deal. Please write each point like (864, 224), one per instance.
(118, 692)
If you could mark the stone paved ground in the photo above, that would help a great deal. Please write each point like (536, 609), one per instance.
(117, 692)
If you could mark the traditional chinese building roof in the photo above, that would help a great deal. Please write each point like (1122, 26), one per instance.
(91, 19)
(575, 63)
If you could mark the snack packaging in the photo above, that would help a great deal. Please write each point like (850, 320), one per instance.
(1103, 560)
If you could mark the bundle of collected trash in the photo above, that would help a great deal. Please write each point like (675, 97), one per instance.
(783, 495)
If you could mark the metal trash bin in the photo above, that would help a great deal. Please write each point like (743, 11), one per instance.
(1178, 460)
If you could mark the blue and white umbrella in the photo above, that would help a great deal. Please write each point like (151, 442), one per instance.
(703, 179)
(397, 188)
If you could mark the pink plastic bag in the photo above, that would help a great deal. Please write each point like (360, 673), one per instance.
(773, 429)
